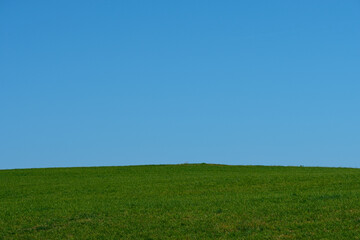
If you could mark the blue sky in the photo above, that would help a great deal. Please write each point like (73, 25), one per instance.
(94, 83)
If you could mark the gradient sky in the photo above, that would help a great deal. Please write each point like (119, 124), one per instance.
(93, 83)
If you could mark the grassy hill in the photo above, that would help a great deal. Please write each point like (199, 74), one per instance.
(189, 201)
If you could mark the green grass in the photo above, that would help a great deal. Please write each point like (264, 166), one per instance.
(188, 201)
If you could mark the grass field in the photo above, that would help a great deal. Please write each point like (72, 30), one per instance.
(191, 201)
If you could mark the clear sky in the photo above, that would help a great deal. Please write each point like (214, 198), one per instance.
(93, 83)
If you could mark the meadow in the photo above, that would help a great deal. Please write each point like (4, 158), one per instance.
(189, 201)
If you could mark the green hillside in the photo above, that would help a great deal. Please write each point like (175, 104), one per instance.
(188, 201)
